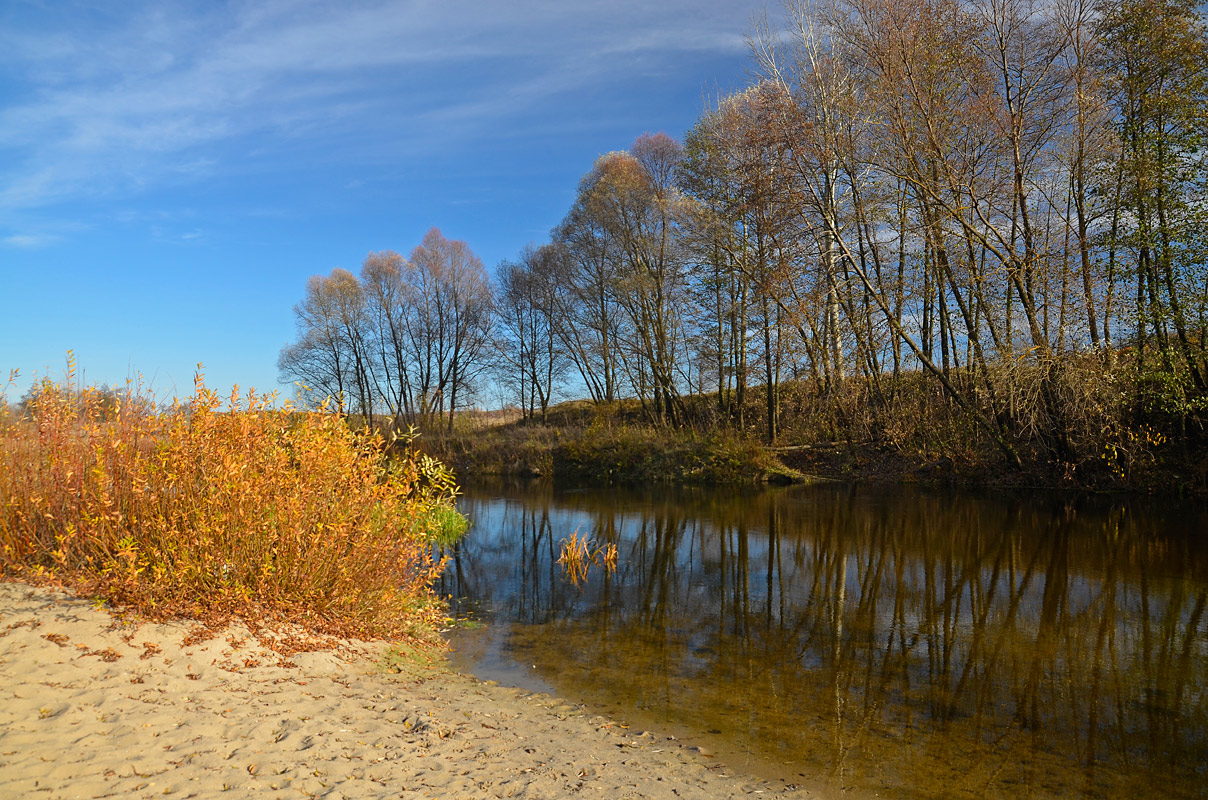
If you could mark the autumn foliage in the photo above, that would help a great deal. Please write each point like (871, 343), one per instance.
(213, 510)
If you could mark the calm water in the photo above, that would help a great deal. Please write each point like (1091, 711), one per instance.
(863, 640)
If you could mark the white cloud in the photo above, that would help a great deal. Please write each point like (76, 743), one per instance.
(155, 93)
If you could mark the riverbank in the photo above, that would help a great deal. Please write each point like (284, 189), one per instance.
(625, 454)
(580, 445)
(94, 703)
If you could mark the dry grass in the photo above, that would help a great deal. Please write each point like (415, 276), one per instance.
(211, 510)
(579, 554)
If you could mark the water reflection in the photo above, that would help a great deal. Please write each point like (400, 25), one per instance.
(912, 644)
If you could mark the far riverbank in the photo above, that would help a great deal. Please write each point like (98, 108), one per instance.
(578, 446)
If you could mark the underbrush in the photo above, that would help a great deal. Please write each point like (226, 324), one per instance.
(645, 455)
(582, 443)
(211, 513)
(496, 450)
(616, 454)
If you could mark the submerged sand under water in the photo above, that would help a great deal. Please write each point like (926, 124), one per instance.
(883, 640)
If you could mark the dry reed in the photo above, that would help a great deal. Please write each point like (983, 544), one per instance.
(579, 554)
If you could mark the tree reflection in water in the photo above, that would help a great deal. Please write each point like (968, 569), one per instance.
(889, 640)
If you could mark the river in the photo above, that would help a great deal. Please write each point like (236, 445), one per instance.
(889, 641)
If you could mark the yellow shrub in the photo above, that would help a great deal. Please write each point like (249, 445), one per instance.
(211, 512)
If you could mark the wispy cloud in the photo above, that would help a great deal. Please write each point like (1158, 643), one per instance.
(154, 94)
(27, 241)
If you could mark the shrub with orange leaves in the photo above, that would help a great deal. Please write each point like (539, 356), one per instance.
(201, 511)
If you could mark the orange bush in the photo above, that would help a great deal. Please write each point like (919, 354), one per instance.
(251, 511)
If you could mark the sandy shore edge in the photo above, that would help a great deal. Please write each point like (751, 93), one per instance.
(93, 704)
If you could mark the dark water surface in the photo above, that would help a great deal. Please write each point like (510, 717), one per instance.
(863, 640)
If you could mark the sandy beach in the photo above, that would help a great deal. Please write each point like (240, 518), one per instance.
(94, 704)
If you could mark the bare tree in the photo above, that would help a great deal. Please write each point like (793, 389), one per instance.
(410, 336)
(528, 318)
(449, 328)
(331, 356)
(631, 207)
(589, 315)
(386, 293)
(742, 236)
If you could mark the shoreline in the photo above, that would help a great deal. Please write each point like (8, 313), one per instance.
(652, 458)
(104, 705)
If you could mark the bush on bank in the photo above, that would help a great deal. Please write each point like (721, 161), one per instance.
(214, 512)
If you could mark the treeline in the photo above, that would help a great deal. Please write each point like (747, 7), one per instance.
(409, 338)
(998, 203)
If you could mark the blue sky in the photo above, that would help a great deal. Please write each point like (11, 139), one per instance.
(171, 173)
